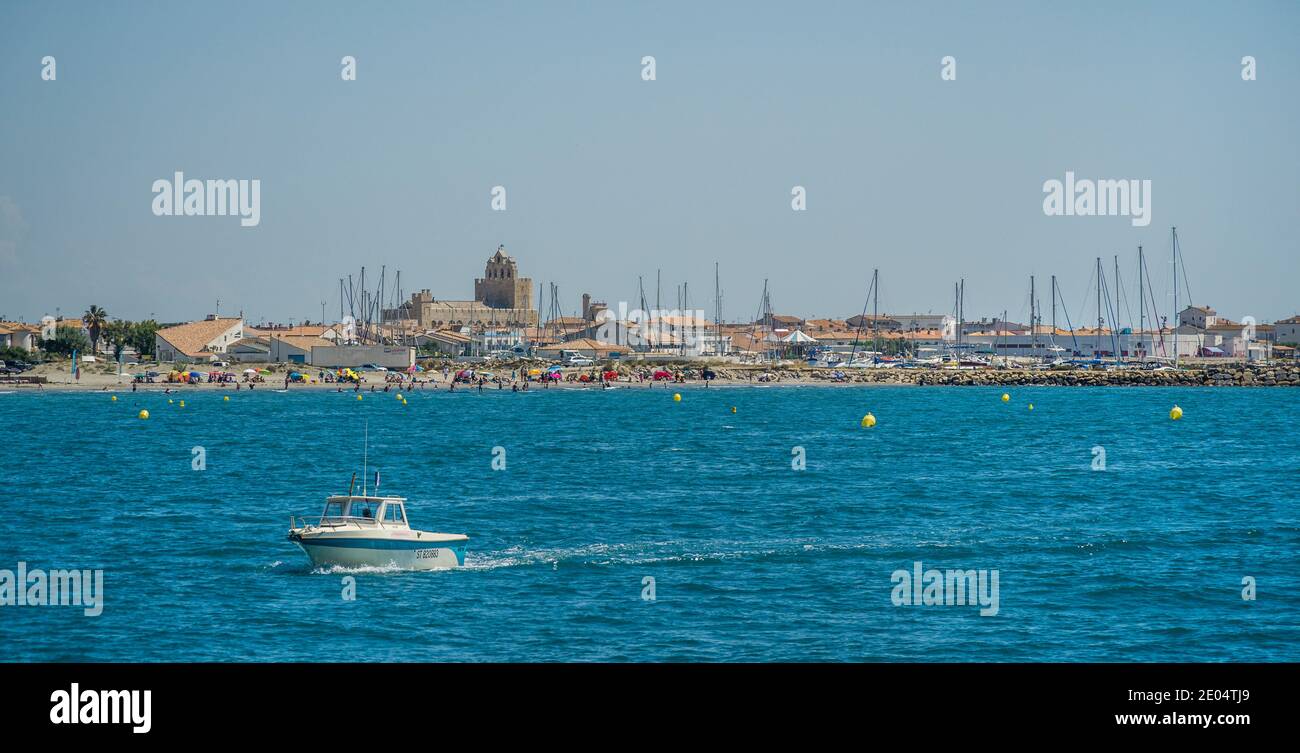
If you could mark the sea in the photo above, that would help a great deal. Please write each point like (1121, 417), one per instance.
(738, 524)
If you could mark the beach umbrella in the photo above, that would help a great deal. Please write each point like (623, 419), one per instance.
(250, 371)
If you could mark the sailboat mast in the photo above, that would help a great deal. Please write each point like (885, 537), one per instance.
(875, 312)
(961, 307)
(717, 310)
(1033, 322)
(1142, 302)
(1173, 319)
(1053, 305)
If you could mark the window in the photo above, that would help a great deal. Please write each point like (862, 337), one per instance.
(363, 508)
(393, 514)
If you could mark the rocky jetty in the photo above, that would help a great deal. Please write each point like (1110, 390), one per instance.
(1228, 375)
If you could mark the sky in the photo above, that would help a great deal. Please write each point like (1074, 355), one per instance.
(609, 177)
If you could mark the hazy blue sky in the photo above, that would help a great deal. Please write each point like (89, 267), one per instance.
(609, 176)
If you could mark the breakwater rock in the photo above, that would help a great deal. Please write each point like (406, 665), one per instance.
(1236, 375)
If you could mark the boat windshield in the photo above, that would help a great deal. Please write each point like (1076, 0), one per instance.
(357, 508)
(363, 508)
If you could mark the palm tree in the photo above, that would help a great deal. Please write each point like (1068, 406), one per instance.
(95, 318)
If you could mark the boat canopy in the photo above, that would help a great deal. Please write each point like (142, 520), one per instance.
(387, 509)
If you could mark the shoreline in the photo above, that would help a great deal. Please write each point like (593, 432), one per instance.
(1238, 375)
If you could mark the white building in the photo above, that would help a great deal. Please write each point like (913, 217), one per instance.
(198, 341)
(1287, 331)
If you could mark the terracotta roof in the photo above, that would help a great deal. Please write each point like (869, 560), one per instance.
(192, 338)
(9, 328)
(447, 335)
(304, 342)
(301, 330)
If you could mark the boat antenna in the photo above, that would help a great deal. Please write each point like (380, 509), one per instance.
(365, 458)
(352, 484)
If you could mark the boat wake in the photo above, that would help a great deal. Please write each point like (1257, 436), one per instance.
(660, 552)
(361, 570)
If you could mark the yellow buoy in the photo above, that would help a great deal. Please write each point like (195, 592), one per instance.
(226, 398)
(113, 399)
(144, 414)
(733, 409)
(171, 402)
(358, 397)
(182, 403)
(1031, 406)
(677, 397)
(399, 396)
(868, 421)
(1006, 398)
(1175, 413)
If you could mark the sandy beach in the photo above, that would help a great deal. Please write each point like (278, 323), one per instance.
(104, 378)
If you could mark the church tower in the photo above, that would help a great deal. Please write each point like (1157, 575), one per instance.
(501, 287)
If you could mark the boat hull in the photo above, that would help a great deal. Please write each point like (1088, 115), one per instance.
(404, 554)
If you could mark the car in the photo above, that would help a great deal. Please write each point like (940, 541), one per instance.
(371, 367)
(580, 361)
(221, 364)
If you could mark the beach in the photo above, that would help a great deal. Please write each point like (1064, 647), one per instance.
(104, 377)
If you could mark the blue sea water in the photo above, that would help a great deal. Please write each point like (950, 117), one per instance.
(751, 559)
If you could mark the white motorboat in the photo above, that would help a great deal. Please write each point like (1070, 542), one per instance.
(371, 531)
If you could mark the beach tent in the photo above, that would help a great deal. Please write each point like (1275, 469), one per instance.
(798, 337)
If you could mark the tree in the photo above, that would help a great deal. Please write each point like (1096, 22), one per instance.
(95, 318)
(142, 337)
(118, 334)
(67, 339)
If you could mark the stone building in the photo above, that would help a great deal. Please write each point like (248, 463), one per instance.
(501, 299)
